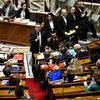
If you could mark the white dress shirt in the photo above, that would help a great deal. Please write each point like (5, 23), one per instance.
(51, 24)
(65, 20)
(7, 11)
(22, 15)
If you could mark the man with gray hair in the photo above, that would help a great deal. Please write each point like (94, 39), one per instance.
(79, 52)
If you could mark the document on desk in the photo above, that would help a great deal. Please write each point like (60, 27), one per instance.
(31, 23)
(18, 19)
(25, 21)
(41, 56)
(21, 20)
(1, 18)
(70, 33)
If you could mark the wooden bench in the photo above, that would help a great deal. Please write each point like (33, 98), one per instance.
(93, 95)
(9, 90)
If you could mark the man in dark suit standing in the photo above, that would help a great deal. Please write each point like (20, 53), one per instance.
(72, 22)
(7, 10)
(63, 26)
(38, 39)
(62, 23)
(66, 23)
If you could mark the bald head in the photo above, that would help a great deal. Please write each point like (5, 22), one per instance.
(64, 12)
(77, 47)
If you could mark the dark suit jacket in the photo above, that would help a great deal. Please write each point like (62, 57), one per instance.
(48, 28)
(11, 11)
(81, 54)
(71, 21)
(62, 27)
(35, 45)
(65, 57)
(78, 15)
(27, 14)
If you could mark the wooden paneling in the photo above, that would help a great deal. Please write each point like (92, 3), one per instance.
(15, 33)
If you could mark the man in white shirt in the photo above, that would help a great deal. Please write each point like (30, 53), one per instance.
(63, 26)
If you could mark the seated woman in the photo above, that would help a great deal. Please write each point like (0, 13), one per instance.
(95, 84)
(23, 12)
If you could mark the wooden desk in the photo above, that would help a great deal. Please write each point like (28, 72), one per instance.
(23, 82)
(93, 45)
(84, 60)
(68, 89)
(4, 90)
(79, 96)
(82, 98)
(15, 33)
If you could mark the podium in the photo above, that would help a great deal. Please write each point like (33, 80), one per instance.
(94, 50)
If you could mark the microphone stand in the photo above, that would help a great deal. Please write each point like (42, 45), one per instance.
(63, 85)
(39, 43)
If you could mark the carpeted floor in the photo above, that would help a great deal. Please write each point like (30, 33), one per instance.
(34, 89)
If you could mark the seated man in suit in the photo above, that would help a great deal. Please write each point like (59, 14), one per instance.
(64, 55)
(23, 12)
(79, 52)
(7, 10)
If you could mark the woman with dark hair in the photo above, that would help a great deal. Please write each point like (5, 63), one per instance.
(23, 12)
(50, 26)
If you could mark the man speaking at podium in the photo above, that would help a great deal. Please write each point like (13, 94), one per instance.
(38, 39)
